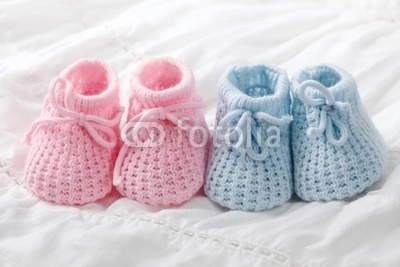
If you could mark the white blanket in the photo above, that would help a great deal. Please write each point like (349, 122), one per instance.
(40, 38)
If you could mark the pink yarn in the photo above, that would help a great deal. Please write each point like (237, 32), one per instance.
(75, 141)
(163, 159)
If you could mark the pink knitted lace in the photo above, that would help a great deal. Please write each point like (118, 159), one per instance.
(163, 159)
(75, 141)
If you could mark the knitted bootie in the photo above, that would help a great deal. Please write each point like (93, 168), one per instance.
(162, 161)
(337, 151)
(250, 164)
(74, 142)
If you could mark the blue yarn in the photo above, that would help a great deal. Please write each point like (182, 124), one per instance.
(253, 175)
(337, 151)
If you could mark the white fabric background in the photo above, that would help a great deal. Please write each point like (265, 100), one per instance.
(38, 39)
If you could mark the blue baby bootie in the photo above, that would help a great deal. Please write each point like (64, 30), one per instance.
(337, 151)
(250, 162)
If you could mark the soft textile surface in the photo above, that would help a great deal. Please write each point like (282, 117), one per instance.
(40, 38)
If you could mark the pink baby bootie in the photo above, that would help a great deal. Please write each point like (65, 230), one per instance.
(162, 161)
(75, 141)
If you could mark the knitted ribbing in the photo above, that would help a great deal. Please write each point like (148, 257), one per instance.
(162, 161)
(337, 152)
(254, 174)
(74, 142)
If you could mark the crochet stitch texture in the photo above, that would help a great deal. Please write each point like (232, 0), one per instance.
(253, 174)
(163, 158)
(74, 142)
(337, 152)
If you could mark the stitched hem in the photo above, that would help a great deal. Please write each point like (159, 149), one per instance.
(242, 246)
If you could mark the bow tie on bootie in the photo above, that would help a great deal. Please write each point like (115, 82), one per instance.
(246, 131)
(327, 111)
(147, 119)
(94, 125)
